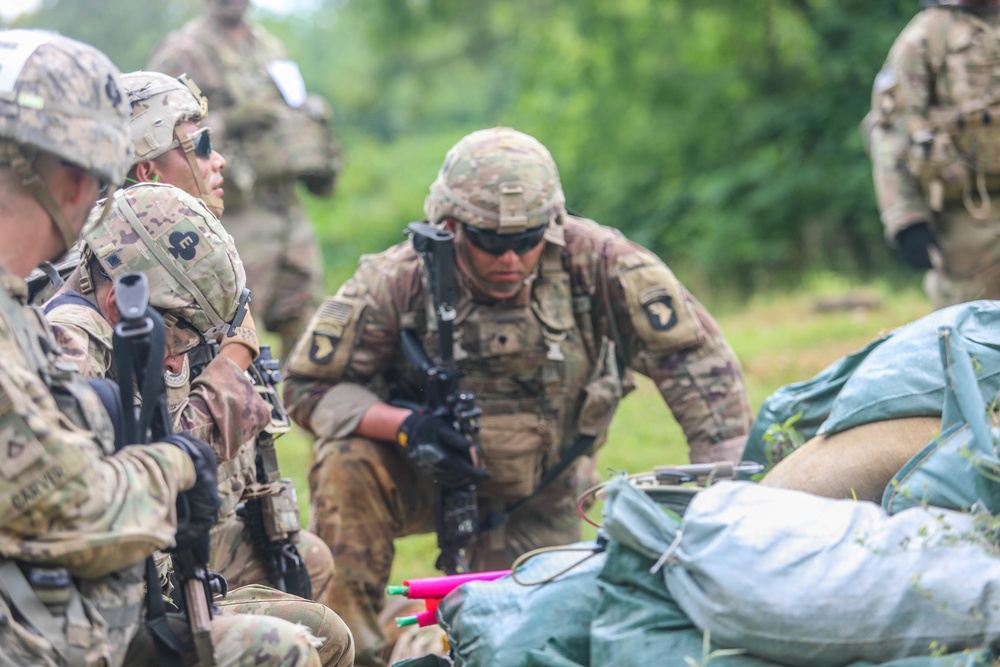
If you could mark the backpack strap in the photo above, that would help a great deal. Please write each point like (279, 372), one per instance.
(70, 299)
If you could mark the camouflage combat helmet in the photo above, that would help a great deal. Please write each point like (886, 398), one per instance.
(499, 180)
(62, 97)
(189, 259)
(159, 103)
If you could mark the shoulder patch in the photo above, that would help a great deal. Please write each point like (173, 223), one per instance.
(326, 346)
(660, 315)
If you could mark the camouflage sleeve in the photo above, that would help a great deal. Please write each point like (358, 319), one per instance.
(63, 499)
(222, 408)
(333, 373)
(670, 337)
(85, 338)
(900, 100)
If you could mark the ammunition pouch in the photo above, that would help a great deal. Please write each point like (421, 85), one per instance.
(517, 449)
(297, 146)
(957, 159)
(601, 394)
(279, 508)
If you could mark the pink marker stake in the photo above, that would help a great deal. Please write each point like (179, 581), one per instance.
(438, 587)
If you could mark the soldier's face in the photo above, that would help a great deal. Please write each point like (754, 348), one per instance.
(180, 340)
(501, 276)
(172, 167)
(228, 11)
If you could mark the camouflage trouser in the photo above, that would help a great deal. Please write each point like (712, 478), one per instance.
(366, 494)
(337, 647)
(968, 266)
(239, 639)
(234, 558)
(283, 262)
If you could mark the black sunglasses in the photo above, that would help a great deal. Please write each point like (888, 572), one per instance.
(202, 140)
(498, 244)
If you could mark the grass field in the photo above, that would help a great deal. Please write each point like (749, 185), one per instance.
(779, 339)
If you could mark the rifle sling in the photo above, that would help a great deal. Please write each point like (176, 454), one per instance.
(70, 298)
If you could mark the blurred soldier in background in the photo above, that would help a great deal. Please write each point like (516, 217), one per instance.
(552, 311)
(935, 148)
(273, 135)
(79, 518)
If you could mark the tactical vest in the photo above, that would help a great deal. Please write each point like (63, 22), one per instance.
(955, 151)
(539, 376)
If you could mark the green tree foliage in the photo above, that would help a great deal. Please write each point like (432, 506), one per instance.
(721, 134)
(124, 29)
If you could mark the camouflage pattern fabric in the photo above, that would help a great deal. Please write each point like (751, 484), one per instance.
(282, 260)
(334, 642)
(263, 212)
(497, 155)
(940, 76)
(221, 406)
(233, 557)
(243, 640)
(223, 409)
(56, 105)
(531, 364)
(66, 498)
(189, 259)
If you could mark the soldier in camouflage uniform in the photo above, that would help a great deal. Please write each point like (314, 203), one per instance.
(272, 137)
(934, 142)
(171, 147)
(549, 306)
(195, 279)
(79, 518)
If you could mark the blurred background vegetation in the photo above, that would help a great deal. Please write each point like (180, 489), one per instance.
(721, 134)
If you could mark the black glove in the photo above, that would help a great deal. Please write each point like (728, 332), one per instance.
(914, 245)
(198, 507)
(439, 449)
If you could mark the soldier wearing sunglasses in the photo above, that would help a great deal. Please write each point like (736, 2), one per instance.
(553, 313)
(170, 144)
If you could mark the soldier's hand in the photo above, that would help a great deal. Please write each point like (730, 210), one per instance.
(198, 507)
(914, 244)
(242, 347)
(438, 448)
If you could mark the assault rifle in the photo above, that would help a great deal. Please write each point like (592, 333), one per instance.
(138, 347)
(269, 507)
(456, 514)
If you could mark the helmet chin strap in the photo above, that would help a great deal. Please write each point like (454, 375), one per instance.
(213, 202)
(21, 163)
